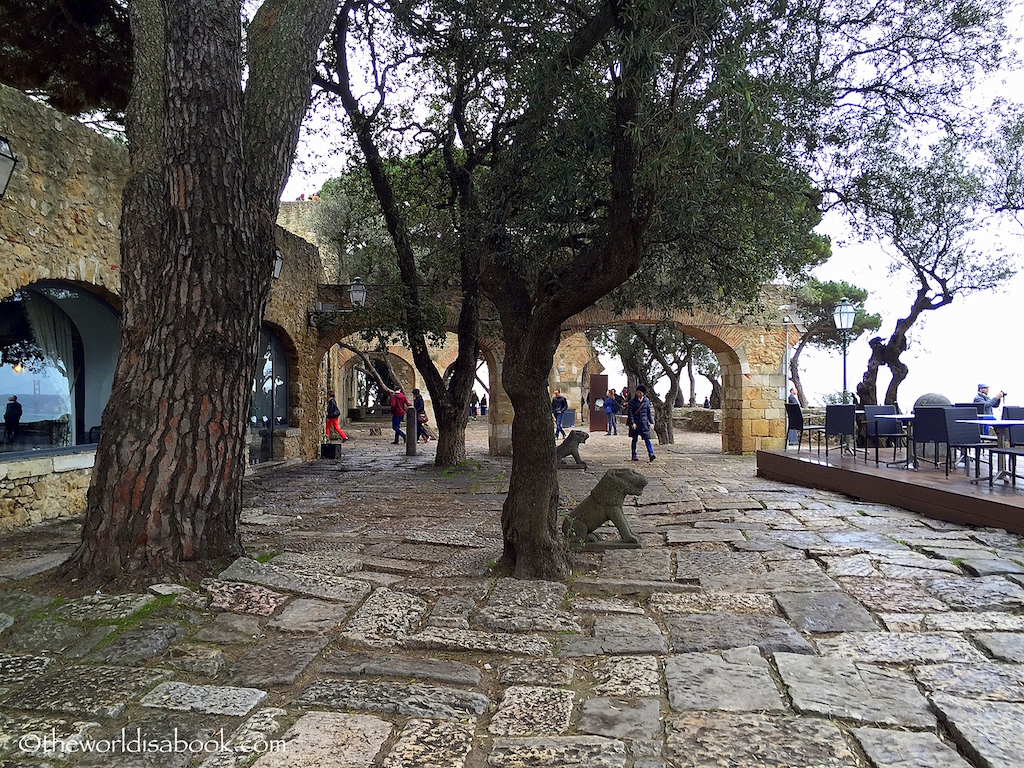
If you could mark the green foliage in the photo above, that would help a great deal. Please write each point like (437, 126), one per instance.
(814, 302)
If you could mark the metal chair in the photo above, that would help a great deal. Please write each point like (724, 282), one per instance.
(878, 428)
(929, 427)
(1014, 413)
(840, 421)
(964, 437)
(796, 422)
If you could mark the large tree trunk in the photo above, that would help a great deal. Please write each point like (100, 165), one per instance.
(529, 517)
(867, 389)
(197, 243)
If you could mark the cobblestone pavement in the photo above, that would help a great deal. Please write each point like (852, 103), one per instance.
(760, 625)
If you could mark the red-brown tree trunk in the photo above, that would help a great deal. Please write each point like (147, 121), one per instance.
(529, 516)
(197, 243)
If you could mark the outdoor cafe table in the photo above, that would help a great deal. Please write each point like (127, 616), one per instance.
(1002, 428)
(908, 419)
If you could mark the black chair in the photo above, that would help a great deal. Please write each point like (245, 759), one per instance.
(882, 428)
(796, 422)
(964, 437)
(840, 421)
(1015, 413)
(980, 407)
(929, 427)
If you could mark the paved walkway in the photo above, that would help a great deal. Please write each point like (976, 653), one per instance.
(760, 625)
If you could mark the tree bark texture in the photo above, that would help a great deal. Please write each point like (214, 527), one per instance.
(197, 245)
(529, 516)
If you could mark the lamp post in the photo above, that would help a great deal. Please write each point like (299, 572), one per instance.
(7, 163)
(843, 317)
(786, 320)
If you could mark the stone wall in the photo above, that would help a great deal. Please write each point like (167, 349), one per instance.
(60, 215)
(44, 488)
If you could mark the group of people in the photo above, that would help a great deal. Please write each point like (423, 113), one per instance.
(639, 416)
(477, 403)
(398, 405)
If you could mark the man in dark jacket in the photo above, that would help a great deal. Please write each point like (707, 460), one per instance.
(640, 420)
(12, 419)
(559, 405)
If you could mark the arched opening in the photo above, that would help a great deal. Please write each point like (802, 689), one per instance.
(58, 350)
(270, 395)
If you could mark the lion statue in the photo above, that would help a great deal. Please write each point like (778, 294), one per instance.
(603, 504)
(571, 447)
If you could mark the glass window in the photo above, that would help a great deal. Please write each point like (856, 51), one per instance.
(58, 351)
(270, 395)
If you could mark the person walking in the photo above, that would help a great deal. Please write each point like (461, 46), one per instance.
(333, 414)
(399, 404)
(474, 404)
(559, 405)
(12, 419)
(421, 416)
(483, 404)
(640, 420)
(611, 407)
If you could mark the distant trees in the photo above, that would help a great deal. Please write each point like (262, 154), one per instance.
(925, 205)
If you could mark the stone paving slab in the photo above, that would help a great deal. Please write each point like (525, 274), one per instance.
(617, 718)
(627, 676)
(210, 699)
(230, 628)
(330, 740)
(552, 671)
(532, 711)
(509, 593)
(698, 565)
(86, 691)
(639, 564)
(43, 636)
(825, 612)
(988, 732)
(902, 749)
(988, 681)
(558, 752)
(196, 659)
(249, 738)
(860, 566)
(623, 587)
(441, 639)
(901, 647)
(440, 670)
(23, 567)
(526, 619)
(340, 589)
(103, 607)
(773, 581)
(22, 736)
(410, 699)
(89, 642)
(16, 669)
(275, 662)
(987, 593)
(718, 630)
(431, 744)
(706, 602)
(598, 605)
(18, 603)
(736, 680)
(1005, 646)
(240, 597)
(742, 740)
(305, 615)
(681, 535)
(134, 646)
(887, 596)
(840, 688)
(161, 728)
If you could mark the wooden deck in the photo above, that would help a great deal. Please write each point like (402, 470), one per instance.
(926, 490)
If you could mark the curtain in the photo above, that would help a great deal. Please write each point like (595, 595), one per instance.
(52, 331)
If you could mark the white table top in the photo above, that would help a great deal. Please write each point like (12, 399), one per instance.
(993, 422)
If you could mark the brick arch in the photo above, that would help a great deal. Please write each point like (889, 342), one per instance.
(750, 351)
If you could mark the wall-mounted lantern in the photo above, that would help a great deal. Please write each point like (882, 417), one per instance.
(278, 263)
(7, 163)
(357, 293)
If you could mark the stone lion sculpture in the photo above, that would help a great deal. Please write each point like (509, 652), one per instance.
(571, 447)
(603, 504)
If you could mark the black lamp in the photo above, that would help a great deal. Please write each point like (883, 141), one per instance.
(7, 163)
(357, 293)
(843, 317)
